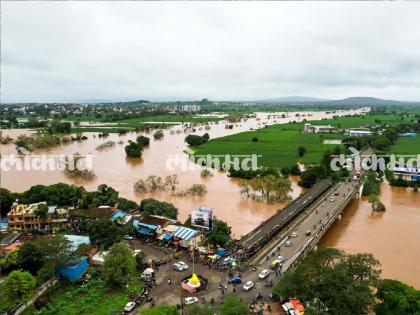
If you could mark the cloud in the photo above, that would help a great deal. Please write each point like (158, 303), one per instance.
(73, 51)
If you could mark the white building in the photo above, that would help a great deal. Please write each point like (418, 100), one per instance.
(308, 128)
(359, 133)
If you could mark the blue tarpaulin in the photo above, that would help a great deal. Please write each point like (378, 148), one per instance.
(118, 214)
(167, 237)
(138, 224)
(74, 268)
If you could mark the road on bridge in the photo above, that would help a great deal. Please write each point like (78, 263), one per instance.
(317, 216)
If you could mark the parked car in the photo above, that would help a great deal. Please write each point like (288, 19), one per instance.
(190, 300)
(332, 199)
(336, 193)
(184, 265)
(288, 243)
(263, 274)
(308, 232)
(129, 237)
(248, 285)
(294, 234)
(280, 258)
(235, 280)
(354, 177)
(178, 267)
(129, 306)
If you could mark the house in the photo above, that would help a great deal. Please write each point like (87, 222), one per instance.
(410, 174)
(74, 268)
(359, 133)
(144, 228)
(77, 216)
(308, 128)
(22, 217)
(187, 237)
(168, 232)
(151, 225)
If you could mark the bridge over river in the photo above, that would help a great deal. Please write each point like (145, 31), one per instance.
(303, 222)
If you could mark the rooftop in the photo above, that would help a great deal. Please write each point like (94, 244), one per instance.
(99, 212)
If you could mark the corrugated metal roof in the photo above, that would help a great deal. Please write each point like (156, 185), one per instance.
(185, 233)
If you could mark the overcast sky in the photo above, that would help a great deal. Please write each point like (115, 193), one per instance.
(75, 51)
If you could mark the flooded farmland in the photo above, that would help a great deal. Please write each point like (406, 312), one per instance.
(358, 231)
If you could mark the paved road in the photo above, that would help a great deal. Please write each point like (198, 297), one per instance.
(278, 220)
(317, 216)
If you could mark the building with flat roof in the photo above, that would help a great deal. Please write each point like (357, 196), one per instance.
(410, 174)
(22, 217)
(359, 133)
(308, 128)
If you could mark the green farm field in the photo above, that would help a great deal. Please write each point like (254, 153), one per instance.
(406, 146)
(278, 144)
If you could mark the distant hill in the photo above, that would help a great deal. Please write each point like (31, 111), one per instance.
(355, 101)
(292, 99)
(368, 101)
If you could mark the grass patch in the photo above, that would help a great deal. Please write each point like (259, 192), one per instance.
(94, 297)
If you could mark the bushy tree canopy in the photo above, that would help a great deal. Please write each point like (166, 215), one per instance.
(154, 207)
(119, 265)
(332, 282)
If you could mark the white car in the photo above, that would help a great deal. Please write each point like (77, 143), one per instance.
(280, 259)
(190, 300)
(288, 243)
(332, 199)
(183, 265)
(354, 177)
(263, 274)
(248, 286)
(178, 267)
(129, 306)
(294, 234)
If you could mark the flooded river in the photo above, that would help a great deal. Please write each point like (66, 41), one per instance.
(392, 237)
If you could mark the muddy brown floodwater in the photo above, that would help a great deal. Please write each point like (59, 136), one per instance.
(393, 237)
